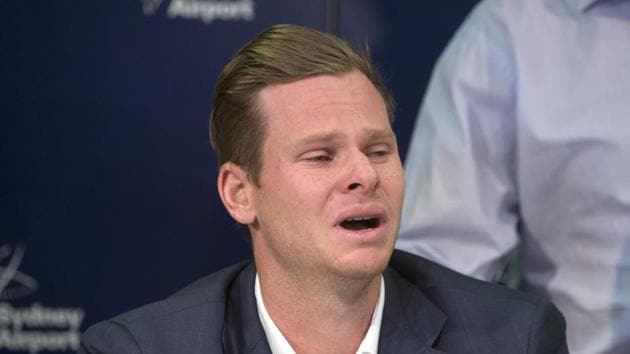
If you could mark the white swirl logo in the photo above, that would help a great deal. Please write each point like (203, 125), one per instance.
(13, 283)
(150, 6)
(36, 327)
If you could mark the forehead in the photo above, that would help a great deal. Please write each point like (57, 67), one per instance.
(321, 102)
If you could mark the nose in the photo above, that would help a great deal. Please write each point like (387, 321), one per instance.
(360, 176)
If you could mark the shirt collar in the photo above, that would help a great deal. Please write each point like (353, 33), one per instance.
(279, 344)
(369, 345)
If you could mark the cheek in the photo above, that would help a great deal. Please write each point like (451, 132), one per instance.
(310, 183)
(393, 181)
(299, 194)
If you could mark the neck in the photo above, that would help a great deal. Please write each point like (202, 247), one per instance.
(322, 313)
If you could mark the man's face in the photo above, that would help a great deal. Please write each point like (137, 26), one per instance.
(331, 183)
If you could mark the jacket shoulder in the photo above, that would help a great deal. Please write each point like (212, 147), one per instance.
(483, 316)
(190, 318)
(430, 276)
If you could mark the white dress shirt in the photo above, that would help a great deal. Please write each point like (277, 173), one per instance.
(523, 138)
(279, 344)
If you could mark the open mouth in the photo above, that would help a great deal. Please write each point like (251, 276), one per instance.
(361, 223)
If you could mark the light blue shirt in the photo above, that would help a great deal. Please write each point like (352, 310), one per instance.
(523, 138)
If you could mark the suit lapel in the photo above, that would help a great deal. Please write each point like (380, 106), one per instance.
(243, 332)
(411, 323)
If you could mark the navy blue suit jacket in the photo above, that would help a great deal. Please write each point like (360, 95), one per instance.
(428, 309)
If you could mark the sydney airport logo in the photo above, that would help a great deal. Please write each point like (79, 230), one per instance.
(13, 283)
(205, 10)
(32, 328)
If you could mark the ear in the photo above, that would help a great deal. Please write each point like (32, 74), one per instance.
(235, 190)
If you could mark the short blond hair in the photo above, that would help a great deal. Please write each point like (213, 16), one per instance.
(280, 54)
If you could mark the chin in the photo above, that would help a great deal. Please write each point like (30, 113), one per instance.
(363, 265)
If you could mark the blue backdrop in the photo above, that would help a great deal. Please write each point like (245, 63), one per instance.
(107, 183)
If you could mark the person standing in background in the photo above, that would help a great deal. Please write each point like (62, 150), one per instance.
(523, 139)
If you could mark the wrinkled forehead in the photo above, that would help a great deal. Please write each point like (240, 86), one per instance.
(325, 100)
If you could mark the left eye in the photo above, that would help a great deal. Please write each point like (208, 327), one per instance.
(378, 153)
(320, 158)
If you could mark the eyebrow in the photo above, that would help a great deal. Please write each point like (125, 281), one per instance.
(320, 138)
(373, 134)
(333, 136)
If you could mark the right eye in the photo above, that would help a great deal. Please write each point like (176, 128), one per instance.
(320, 158)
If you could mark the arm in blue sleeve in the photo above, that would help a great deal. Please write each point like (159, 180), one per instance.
(460, 205)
